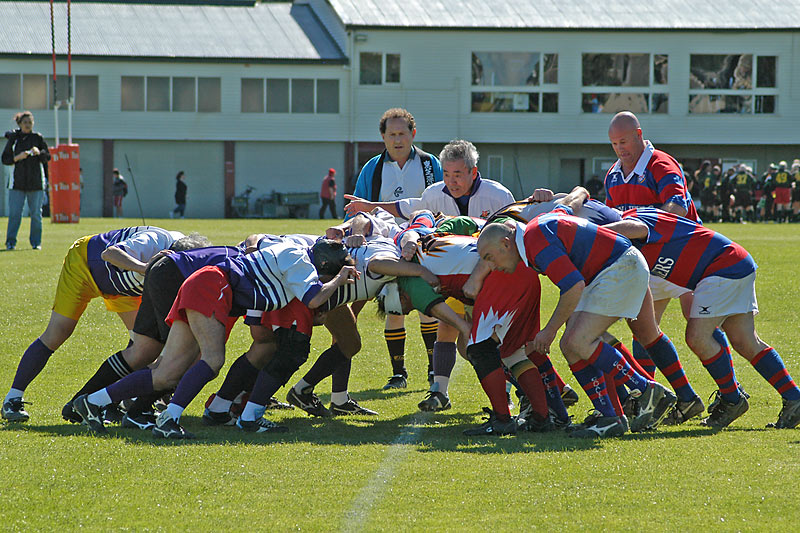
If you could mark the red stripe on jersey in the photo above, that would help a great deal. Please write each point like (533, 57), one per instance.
(566, 233)
(560, 268)
(602, 248)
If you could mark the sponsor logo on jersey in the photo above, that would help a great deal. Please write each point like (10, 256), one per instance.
(663, 267)
(398, 192)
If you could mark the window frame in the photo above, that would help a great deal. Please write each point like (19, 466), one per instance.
(539, 89)
(753, 93)
(649, 91)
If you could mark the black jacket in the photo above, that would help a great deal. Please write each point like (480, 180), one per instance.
(180, 192)
(28, 172)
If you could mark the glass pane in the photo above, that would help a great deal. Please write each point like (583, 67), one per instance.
(660, 69)
(550, 102)
(183, 94)
(616, 70)
(86, 93)
(371, 67)
(660, 103)
(765, 76)
(392, 68)
(505, 102)
(765, 104)
(327, 96)
(615, 102)
(10, 91)
(62, 82)
(132, 93)
(550, 73)
(718, 71)
(157, 94)
(208, 95)
(34, 91)
(252, 95)
(302, 96)
(505, 68)
(715, 103)
(277, 96)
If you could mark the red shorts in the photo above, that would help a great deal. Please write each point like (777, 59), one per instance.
(508, 306)
(206, 291)
(783, 195)
(295, 313)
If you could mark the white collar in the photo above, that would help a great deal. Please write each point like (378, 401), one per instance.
(641, 164)
(519, 239)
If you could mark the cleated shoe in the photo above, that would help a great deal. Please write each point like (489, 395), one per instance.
(789, 416)
(494, 426)
(260, 425)
(718, 396)
(654, 404)
(167, 428)
(569, 396)
(435, 401)
(69, 414)
(725, 412)
(112, 414)
(598, 426)
(308, 402)
(525, 407)
(684, 411)
(631, 406)
(561, 424)
(430, 378)
(213, 418)
(398, 381)
(142, 421)
(91, 414)
(14, 409)
(537, 426)
(274, 403)
(350, 407)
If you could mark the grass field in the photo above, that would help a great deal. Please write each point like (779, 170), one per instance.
(402, 470)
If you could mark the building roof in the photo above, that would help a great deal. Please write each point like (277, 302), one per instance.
(263, 32)
(571, 14)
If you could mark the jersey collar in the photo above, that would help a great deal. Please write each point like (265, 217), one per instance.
(641, 164)
(519, 239)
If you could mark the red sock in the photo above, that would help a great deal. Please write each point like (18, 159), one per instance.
(621, 348)
(532, 386)
(612, 394)
(494, 385)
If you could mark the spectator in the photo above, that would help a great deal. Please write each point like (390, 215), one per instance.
(743, 185)
(27, 151)
(119, 190)
(180, 196)
(327, 194)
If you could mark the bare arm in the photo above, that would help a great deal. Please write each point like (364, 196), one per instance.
(576, 198)
(348, 274)
(445, 313)
(122, 259)
(630, 228)
(359, 205)
(475, 281)
(408, 244)
(250, 244)
(671, 207)
(397, 268)
(566, 305)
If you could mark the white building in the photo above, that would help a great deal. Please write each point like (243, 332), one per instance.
(272, 94)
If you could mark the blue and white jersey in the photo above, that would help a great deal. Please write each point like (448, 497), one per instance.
(141, 242)
(367, 287)
(298, 239)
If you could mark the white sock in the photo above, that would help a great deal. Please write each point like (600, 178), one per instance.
(175, 411)
(302, 384)
(339, 398)
(249, 411)
(13, 393)
(442, 382)
(220, 405)
(100, 398)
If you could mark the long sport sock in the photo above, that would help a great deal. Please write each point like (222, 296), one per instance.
(241, 377)
(31, 364)
(548, 375)
(722, 339)
(324, 366)
(642, 356)
(191, 384)
(266, 385)
(396, 343)
(113, 369)
(593, 382)
(428, 331)
(721, 370)
(340, 379)
(139, 383)
(610, 361)
(770, 365)
(665, 356)
(612, 395)
(444, 359)
(528, 378)
(626, 353)
(494, 385)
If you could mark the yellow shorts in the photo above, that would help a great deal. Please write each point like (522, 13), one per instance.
(76, 287)
(455, 305)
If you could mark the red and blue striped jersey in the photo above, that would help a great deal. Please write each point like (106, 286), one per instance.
(656, 180)
(684, 252)
(569, 249)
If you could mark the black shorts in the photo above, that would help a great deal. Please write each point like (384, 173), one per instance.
(161, 283)
(743, 199)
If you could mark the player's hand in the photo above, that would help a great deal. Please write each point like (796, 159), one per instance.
(471, 288)
(541, 343)
(355, 241)
(334, 233)
(431, 279)
(409, 250)
(540, 195)
(347, 275)
(35, 151)
(159, 255)
(357, 205)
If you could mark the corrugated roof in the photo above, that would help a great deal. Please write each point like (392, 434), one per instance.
(268, 31)
(572, 14)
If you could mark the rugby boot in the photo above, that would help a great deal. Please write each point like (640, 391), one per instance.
(598, 426)
(168, 428)
(569, 396)
(350, 407)
(684, 411)
(789, 416)
(308, 402)
(14, 410)
(91, 414)
(434, 401)
(494, 426)
(654, 404)
(398, 381)
(725, 412)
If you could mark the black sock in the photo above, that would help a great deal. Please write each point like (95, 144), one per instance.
(396, 343)
(341, 376)
(325, 365)
(428, 330)
(240, 378)
(112, 370)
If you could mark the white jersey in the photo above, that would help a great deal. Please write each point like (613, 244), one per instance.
(449, 255)
(488, 198)
(370, 283)
(298, 239)
(383, 224)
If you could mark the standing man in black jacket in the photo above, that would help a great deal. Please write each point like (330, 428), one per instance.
(27, 151)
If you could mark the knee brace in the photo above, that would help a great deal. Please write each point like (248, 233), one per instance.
(484, 357)
(293, 349)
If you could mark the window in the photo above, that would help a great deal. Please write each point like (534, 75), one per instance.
(86, 93)
(624, 82)
(277, 96)
(60, 92)
(132, 93)
(511, 82)
(327, 96)
(252, 95)
(34, 91)
(209, 95)
(727, 83)
(376, 68)
(157, 93)
(9, 91)
(183, 97)
(302, 96)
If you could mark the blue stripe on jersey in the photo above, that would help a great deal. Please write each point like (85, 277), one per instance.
(193, 260)
(110, 279)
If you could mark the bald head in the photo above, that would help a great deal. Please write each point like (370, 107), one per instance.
(625, 134)
(497, 246)
(624, 121)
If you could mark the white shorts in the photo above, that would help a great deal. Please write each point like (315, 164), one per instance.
(716, 296)
(665, 290)
(619, 290)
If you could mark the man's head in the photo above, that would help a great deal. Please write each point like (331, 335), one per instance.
(188, 242)
(716, 170)
(625, 134)
(115, 172)
(497, 246)
(331, 172)
(459, 160)
(773, 168)
(782, 166)
(398, 129)
(329, 257)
